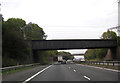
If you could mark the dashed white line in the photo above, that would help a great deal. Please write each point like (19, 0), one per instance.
(74, 70)
(87, 77)
(36, 74)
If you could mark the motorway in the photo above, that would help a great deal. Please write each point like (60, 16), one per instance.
(63, 72)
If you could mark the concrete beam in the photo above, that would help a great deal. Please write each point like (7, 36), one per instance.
(77, 54)
(72, 44)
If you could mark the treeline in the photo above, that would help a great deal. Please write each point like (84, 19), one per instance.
(99, 54)
(66, 55)
(14, 49)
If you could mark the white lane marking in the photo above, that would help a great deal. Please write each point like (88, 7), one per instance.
(87, 77)
(74, 70)
(36, 74)
(99, 67)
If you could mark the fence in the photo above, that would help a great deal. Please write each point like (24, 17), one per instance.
(17, 67)
(112, 63)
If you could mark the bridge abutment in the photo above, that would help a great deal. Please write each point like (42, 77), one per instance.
(35, 56)
(113, 54)
(118, 52)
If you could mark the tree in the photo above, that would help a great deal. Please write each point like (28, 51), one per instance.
(15, 50)
(99, 54)
(44, 57)
(109, 35)
(14, 46)
(33, 32)
(66, 55)
(15, 24)
(37, 32)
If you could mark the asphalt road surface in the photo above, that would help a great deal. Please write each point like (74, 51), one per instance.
(63, 72)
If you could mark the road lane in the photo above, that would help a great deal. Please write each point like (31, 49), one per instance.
(22, 75)
(64, 72)
(97, 74)
(59, 73)
(76, 73)
(27, 80)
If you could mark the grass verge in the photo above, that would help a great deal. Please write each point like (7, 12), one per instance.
(6, 72)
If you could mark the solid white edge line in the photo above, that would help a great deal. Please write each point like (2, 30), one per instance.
(99, 67)
(36, 74)
(87, 77)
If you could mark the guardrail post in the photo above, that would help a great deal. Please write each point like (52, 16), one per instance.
(17, 67)
(113, 63)
(107, 63)
(88, 63)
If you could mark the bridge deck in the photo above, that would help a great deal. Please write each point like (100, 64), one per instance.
(72, 44)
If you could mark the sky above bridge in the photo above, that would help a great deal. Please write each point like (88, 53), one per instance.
(65, 19)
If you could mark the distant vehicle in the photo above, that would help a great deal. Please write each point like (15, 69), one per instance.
(69, 61)
(57, 63)
(60, 59)
(82, 59)
(63, 62)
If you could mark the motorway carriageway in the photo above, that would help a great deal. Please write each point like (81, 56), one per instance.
(64, 72)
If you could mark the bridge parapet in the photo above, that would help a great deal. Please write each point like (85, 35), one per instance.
(72, 44)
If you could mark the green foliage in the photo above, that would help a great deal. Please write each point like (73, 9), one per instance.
(66, 55)
(15, 25)
(109, 35)
(15, 50)
(6, 61)
(98, 54)
(43, 57)
(33, 32)
(14, 47)
(1, 17)
(46, 57)
(63, 53)
(37, 32)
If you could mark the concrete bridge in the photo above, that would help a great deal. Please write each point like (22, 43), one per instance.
(38, 45)
(72, 44)
(77, 54)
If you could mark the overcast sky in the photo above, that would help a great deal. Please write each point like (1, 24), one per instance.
(65, 19)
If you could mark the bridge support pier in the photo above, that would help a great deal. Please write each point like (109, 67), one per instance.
(118, 52)
(35, 56)
(113, 54)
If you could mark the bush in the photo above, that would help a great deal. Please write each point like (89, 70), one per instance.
(6, 61)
